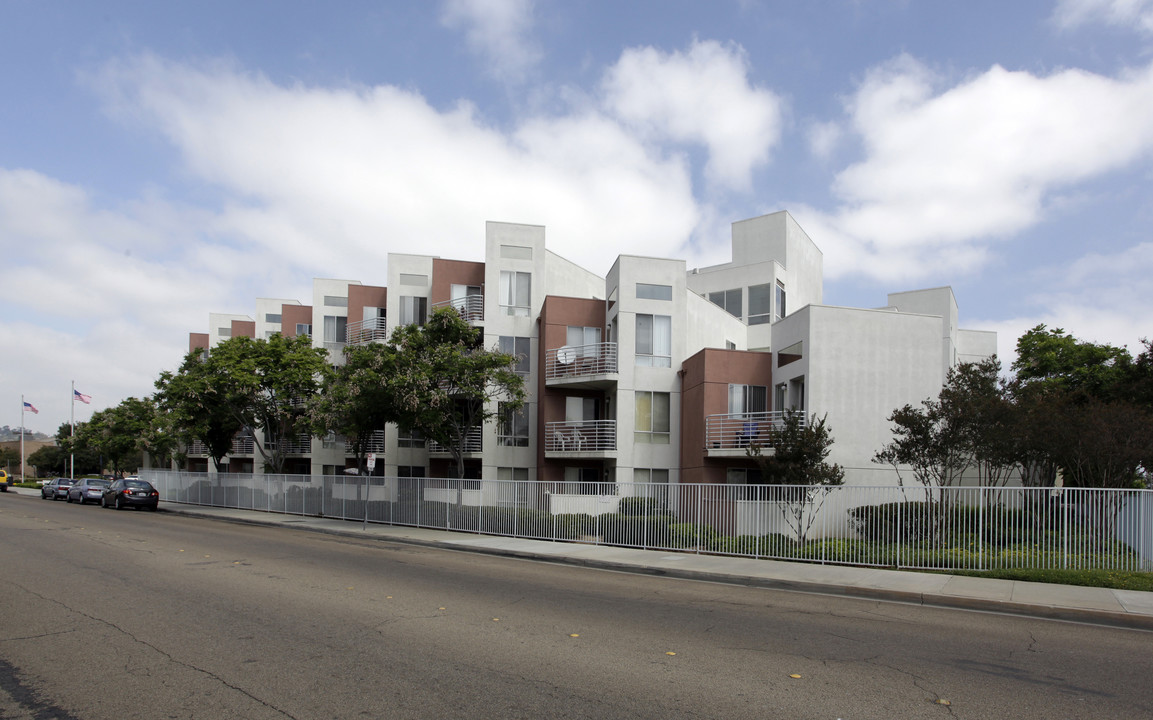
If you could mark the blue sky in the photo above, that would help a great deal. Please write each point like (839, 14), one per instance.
(159, 161)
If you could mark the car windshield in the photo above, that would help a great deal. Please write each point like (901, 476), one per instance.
(137, 484)
(98, 483)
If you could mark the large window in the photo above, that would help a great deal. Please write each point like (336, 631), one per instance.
(748, 398)
(521, 349)
(654, 340)
(585, 339)
(760, 304)
(413, 310)
(271, 317)
(585, 481)
(652, 418)
(406, 438)
(335, 327)
(731, 300)
(513, 426)
(515, 292)
(304, 329)
(335, 301)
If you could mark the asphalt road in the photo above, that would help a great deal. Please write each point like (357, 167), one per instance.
(132, 614)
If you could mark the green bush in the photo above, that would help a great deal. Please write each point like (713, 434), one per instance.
(641, 506)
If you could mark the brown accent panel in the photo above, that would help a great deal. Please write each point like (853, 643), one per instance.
(244, 328)
(197, 341)
(446, 273)
(290, 315)
(783, 359)
(361, 296)
(705, 379)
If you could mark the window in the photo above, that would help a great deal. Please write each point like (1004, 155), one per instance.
(271, 317)
(654, 292)
(521, 349)
(511, 473)
(512, 430)
(760, 304)
(515, 292)
(409, 471)
(224, 332)
(730, 345)
(413, 279)
(653, 484)
(781, 311)
(516, 252)
(780, 396)
(334, 301)
(413, 310)
(748, 398)
(586, 340)
(304, 329)
(654, 340)
(335, 328)
(652, 418)
(731, 300)
(406, 438)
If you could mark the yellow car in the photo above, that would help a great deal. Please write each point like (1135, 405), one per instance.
(5, 480)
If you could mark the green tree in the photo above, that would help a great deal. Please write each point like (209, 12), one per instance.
(1057, 360)
(798, 469)
(266, 385)
(444, 380)
(357, 400)
(9, 457)
(48, 460)
(194, 406)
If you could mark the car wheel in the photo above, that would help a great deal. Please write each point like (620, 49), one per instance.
(68, 498)
(119, 504)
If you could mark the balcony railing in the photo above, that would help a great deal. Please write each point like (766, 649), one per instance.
(242, 446)
(375, 443)
(301, 445)
(196, 447)
(366, 331)
(733, 431)
(470, 307)
(472, 443)
(580, 436)
(579, 360)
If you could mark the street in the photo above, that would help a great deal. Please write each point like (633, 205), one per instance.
(132, 614)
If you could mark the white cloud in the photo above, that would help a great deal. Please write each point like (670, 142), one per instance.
(1099, 298)
(497, 30)
(824, 137)
(700, 96)
(947, 172)
(1122, 13)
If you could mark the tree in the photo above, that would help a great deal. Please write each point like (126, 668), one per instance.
(357, 400)
(50, 459)
(247, 384)
(444, 380)
(9, 457)
(799, 468)
(1056, 359)
(194, 407)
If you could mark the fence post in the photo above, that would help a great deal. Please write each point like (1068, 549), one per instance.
(1064, 529)
(981, 531)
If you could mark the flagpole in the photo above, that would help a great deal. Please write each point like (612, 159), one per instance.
(72, 437)
(22, 439)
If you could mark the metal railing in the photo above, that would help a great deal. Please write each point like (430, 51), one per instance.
(366, 331)
(300, 445)
(964, 528)
(470, 307)
(472, 443)
(375, 443)
(242, 446)
(740, 430)
(580, 436)
(579, 360)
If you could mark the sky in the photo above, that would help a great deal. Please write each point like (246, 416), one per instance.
(160, 161)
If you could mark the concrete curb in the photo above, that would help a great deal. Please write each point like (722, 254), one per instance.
(1106, 618)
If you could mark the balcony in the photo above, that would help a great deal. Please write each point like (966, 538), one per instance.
(301, 445)
(472, 444)
(196, 447)
(375, 444)
(581, 438)
(242, 446)
(366, 331)
(470, 307)
(582, 366)
(730, 435)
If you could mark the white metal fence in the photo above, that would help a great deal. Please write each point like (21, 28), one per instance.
(970, 528)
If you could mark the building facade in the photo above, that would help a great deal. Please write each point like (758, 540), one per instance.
(653, 373)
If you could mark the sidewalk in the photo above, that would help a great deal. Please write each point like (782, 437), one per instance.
(1101, 606)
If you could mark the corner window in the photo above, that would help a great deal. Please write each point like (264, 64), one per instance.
(781, 309)
(654, 341)
(652, 418)
(304, 329)
(760, 304)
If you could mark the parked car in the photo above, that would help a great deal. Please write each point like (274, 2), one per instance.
(5, 480)
(56, 488)
(130, 492)
(87, 489)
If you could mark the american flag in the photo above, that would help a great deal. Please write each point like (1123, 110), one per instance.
(86, 399)
(29, 407)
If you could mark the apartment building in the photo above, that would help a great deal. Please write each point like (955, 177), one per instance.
(652, 373)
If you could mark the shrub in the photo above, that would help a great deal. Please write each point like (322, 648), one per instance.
(643, 506)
